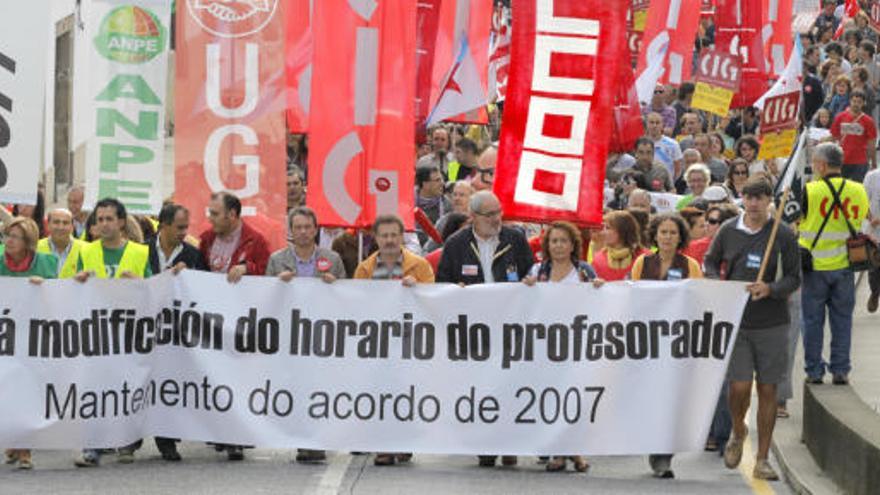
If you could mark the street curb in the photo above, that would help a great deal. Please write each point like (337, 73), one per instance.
(797, 482)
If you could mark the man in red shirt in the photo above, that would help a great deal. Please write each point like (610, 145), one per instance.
(856, 133)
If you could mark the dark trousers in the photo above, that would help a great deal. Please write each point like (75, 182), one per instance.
(856, 172)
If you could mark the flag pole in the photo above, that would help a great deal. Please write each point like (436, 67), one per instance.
(772, 240)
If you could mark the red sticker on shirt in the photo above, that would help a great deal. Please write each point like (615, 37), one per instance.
(323, 264)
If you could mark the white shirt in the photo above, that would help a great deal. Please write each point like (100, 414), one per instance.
(872, 187)
(741, 225)
(167, 263)
(487, 249)
(61, 255)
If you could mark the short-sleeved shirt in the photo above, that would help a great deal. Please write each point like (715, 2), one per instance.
(854, 136)
(667, 151)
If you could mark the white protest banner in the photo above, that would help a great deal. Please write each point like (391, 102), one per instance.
(22, 89)
(664, 202)
(125, 98)
(629, 368)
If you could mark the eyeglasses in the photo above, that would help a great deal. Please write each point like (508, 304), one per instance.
(486, 171)
(713, 221)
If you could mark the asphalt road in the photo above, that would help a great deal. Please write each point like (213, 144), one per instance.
(271, 471)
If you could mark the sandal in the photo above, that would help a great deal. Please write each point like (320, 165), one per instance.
(556, 464)
(782, 412)
(24, 460)
(580, 464)
(711, 445)
(11, 456)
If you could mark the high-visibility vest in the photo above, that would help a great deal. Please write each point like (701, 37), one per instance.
(452, 170)
(830, 250)
(67, 270)
(134, 259)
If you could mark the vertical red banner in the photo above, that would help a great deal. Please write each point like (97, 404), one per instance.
(636, 20)
(776, 34)
(670, 31)
(361, 148)
(298, 61)
(738, 25)
(563, 80)
(427, 23)
(229, 111)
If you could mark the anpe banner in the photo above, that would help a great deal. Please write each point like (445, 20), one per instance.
(230, 89)
(361, 142)
(738, 25)
(125, 98)
(563, 81)
(670, 32)
(623, 369)
(298, 60)
(23, 75)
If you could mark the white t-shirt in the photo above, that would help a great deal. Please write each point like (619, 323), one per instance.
(667, 151)
(572, 278)
(872, 187)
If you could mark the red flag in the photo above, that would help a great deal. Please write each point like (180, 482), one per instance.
(777, 34)
(298, 64)
(427, 24)
(499, 52)
(636, 16)
(565, 59)
(852, 8)
(738, 32)
(671, 24)
(362, 135)
(628, 127)
(229, 111)
(463, 24)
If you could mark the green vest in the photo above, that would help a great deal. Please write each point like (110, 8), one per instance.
(44, 265)
(135, 259)
(69, 268)
(830, 251)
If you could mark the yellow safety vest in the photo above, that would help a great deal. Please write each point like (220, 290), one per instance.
(134, 259)
(830, 251)
(67, 270)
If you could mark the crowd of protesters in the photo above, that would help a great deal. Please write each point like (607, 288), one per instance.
(718, 227)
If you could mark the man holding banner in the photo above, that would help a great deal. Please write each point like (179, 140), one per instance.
(748, 250)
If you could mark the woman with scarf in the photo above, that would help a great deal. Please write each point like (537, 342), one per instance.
(20, 259)
(622, 245)
(669, 234)
(561, 246)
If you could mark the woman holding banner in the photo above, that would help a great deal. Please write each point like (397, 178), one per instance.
(622, 246)
(19, 258)
(669, 234)
(561, 246)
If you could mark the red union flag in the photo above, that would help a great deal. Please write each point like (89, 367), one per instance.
(362, 111)
(780, 112)
(738, 25)
(776, 34)
(298, 63)
(670, 31)
(563, 80)
(229, 110)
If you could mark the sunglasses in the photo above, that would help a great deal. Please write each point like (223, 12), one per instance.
(713, 221)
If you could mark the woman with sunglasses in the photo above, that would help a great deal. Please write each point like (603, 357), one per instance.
(737, 175)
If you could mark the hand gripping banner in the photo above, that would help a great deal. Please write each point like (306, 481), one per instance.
(229, 110)
(362, 111)
(558, 115)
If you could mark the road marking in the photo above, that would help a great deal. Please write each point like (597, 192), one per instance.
(331, 480)
(747, 465)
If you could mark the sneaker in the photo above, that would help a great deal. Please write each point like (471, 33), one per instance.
(764, 471)
(840, 379)
(234, 453)
(85, 461)
(814, 380)
(125, 456)
(873, 302)
(733, 452)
